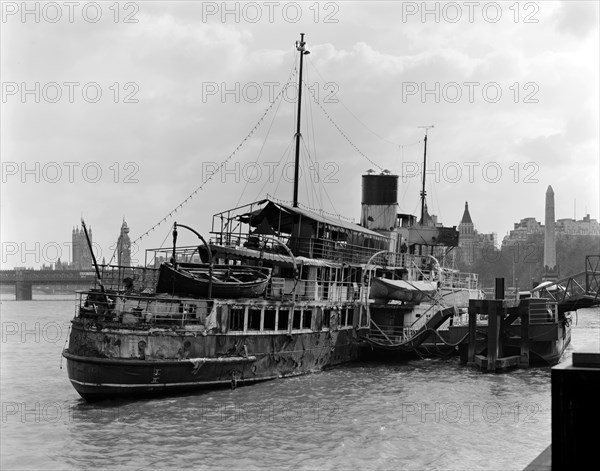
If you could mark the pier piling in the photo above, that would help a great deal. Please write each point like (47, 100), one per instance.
(23, 287)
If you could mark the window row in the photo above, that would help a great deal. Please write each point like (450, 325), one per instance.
(246, 319)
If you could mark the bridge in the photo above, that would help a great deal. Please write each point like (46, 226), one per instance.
(25, 279)
(577, 291)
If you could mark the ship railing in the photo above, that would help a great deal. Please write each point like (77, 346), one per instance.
(542, 311)
(509, 293)
(318, 248)
(134, 309)
(113, 276)
(459, 280)
(392, 334)
(184, 254)
(461, 318)
(313, 290)
(420, 264)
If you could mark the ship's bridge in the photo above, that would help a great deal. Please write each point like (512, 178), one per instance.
(304, 232)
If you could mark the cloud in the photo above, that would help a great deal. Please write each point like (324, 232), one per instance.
(176, 127)
(577, 18)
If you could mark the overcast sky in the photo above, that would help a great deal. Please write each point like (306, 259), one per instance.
(120, 111)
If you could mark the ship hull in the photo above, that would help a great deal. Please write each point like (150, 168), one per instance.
(101, 378)
(269, 357)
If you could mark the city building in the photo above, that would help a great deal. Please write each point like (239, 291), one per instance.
(124, 247)
(81, 258)
(471, 242)
(563, 227)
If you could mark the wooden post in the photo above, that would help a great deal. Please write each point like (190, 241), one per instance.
(23, 287)
(472, 335)
(499, 288)
(501, 315)
(524, 360)
(493, 331)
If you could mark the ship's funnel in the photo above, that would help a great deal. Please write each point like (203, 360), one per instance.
(379, 201)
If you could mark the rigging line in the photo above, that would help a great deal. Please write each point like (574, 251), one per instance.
(221, 165)
(313, 134)
(285, 152)
(308, 161)
(346, 137)
(114, 252)
(312, 177)
(161, 244)
(314, 173)
(356, 117)
(287, 158)
(331, 202)
(306, 176)
(261, 149)
(406, 187)
(433, 190)
(336, 214)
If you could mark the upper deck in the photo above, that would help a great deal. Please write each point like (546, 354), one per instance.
(275, 228)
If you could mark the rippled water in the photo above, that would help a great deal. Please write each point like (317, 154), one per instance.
(425, 414)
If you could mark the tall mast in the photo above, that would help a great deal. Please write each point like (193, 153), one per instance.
(300, 48)
(423, 193)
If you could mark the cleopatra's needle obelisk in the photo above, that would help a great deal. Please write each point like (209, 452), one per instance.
(550, 267)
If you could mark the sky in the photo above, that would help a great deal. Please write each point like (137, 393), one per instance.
(123, 111)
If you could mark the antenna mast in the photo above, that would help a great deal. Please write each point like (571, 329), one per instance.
(423, 193)
(300, 48)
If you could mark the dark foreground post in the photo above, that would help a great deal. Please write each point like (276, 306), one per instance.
(524, 358)
(575, 411)
(495, 315)
(472, 334)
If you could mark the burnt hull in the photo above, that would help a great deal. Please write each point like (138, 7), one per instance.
(102, 378)
(269, 357)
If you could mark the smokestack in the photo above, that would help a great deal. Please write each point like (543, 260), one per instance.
(379, 201)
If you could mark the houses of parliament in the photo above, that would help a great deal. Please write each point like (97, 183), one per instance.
(81, 257)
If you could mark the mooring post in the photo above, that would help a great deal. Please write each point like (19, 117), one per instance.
(472, 334)
(501, 313)
(23, 287)
(524, 360)
(494, 311)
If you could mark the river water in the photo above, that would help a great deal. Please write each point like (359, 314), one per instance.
(423, 414)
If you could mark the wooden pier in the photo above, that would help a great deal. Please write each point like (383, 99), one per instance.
(516, 330)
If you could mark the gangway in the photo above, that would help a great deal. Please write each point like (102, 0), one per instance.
(574, 292)
(413, 336)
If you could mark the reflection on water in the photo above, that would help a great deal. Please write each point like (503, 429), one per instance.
(424, 414)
